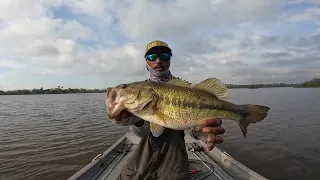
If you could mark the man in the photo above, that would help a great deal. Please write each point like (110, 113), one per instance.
(164, 157)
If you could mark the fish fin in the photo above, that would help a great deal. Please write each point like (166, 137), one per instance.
(179, 82)
(215, 86)
(156, 129)
(253, 114)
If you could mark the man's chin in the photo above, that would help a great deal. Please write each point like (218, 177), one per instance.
(159, 69)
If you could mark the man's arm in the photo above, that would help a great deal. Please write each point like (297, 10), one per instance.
(141, 128)
(138, 126)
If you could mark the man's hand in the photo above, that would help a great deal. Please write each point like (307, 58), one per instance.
(209, 133)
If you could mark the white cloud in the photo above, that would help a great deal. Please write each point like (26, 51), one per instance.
(11, 10)
(181, 18)
(228, 39)
(310, 14)
(47, 41)
(295, 2)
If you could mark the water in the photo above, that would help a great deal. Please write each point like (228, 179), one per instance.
(53, 136)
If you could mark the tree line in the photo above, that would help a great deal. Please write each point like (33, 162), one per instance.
(60, 90)
(254, 86)
(312, 83)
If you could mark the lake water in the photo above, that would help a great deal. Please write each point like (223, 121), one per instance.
(54, 136)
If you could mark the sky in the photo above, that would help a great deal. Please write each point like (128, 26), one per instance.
(100, 43)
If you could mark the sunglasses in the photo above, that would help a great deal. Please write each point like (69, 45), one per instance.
(162, 56)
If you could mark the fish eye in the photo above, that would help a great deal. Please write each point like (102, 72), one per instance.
(124, 86)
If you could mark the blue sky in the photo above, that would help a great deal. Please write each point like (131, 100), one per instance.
(100, 43)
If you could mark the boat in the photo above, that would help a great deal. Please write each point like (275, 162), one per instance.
(213, 165)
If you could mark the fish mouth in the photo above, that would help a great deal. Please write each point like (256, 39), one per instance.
(114, 106)
(108, 91)
(116, 119)
(114, 110)
(112, 116)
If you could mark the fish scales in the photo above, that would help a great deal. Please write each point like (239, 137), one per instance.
(199, 102)
(175, 106)
(202, 104)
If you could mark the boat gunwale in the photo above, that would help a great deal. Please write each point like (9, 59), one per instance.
(98, 159)
(231, 165)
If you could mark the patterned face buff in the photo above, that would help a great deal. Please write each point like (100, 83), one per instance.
(159, 76)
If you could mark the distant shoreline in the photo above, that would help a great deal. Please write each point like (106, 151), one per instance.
(51, 91)
(314, 83)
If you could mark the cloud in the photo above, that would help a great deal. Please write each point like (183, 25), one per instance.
(97, 43)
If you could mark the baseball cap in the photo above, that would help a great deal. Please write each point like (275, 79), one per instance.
(156, 43)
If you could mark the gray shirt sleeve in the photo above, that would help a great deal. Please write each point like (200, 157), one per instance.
(142, 131)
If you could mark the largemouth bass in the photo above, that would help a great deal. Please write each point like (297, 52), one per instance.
(179, 105)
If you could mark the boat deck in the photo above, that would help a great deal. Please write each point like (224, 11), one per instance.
(202, 165)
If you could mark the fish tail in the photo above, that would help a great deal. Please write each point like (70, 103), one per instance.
(252, 114)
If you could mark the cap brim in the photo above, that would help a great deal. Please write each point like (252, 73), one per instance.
(166, 49)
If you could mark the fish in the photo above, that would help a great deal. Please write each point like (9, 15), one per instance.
(179, 105)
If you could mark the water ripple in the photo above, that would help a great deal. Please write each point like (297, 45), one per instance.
(53, 136)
